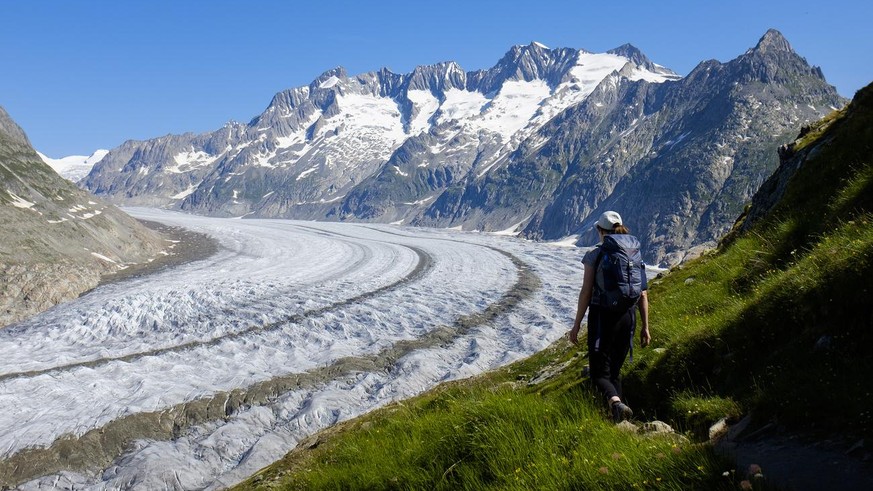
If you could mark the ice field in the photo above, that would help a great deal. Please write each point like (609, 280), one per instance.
(291, 327)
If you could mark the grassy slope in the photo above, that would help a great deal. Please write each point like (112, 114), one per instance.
(776, 322)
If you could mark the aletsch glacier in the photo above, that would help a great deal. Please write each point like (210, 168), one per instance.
(281, 297)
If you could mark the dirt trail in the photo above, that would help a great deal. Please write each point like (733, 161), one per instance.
(800, 462)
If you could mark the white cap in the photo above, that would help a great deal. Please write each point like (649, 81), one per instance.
(608, 220)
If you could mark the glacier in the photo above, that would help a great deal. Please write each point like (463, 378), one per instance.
(74, 167)
(281, 298)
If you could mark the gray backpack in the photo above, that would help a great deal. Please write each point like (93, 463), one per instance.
(619, 281)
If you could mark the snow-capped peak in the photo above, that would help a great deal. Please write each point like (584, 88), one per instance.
(74, 167)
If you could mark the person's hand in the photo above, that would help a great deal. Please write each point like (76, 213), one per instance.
(574, 335)
(645, 337)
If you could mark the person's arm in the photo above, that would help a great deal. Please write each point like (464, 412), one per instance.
(643, 304)
(584, 300)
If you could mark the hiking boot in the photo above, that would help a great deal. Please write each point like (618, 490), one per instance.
(620, 412)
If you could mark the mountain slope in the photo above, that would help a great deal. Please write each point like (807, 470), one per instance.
(57, 239)
(540, 143)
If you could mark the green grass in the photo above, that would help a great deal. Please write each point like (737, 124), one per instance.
(697, 412)
(785, 336)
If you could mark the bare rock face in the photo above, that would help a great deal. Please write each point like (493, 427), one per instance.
(56, 238)
(30, 289)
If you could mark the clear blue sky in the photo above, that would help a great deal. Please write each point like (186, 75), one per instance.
(83, 75)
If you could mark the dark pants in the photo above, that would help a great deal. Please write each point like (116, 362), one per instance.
(609, 339)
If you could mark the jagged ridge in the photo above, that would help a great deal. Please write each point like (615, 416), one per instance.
(541, 142)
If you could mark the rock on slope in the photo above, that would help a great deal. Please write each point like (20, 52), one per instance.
(57, 239)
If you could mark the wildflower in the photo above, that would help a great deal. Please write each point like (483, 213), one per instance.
(660, 455)
(677, 450)
(604, 470)
(745, 485)
(755, 470)
(617, 456)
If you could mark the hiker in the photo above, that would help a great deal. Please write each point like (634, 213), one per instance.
(612, 313)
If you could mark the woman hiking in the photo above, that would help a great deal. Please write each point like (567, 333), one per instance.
(611, 309)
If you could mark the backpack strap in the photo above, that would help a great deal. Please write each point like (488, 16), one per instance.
(596, 290)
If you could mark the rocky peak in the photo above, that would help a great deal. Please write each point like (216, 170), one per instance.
(389, 82)
(773, 60)
(639, 60)
(773, 41)
(9, 129)
(531, 62)
(438, 77)
(633, 54)
(328, 79)
(287, 99)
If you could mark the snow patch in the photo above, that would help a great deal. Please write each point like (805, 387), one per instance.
(421, 201)
(568, 241)
(19, 202)
(514, 106)
(461, 104)
(92, 214)
(191, 161)
(104, 258)
(307, 172)
(427, 105)
(186, 192)
(330, 82)
(511, 231)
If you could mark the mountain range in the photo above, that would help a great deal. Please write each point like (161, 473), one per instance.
(539, 144)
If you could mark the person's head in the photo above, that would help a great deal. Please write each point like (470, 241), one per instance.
(610, 223)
